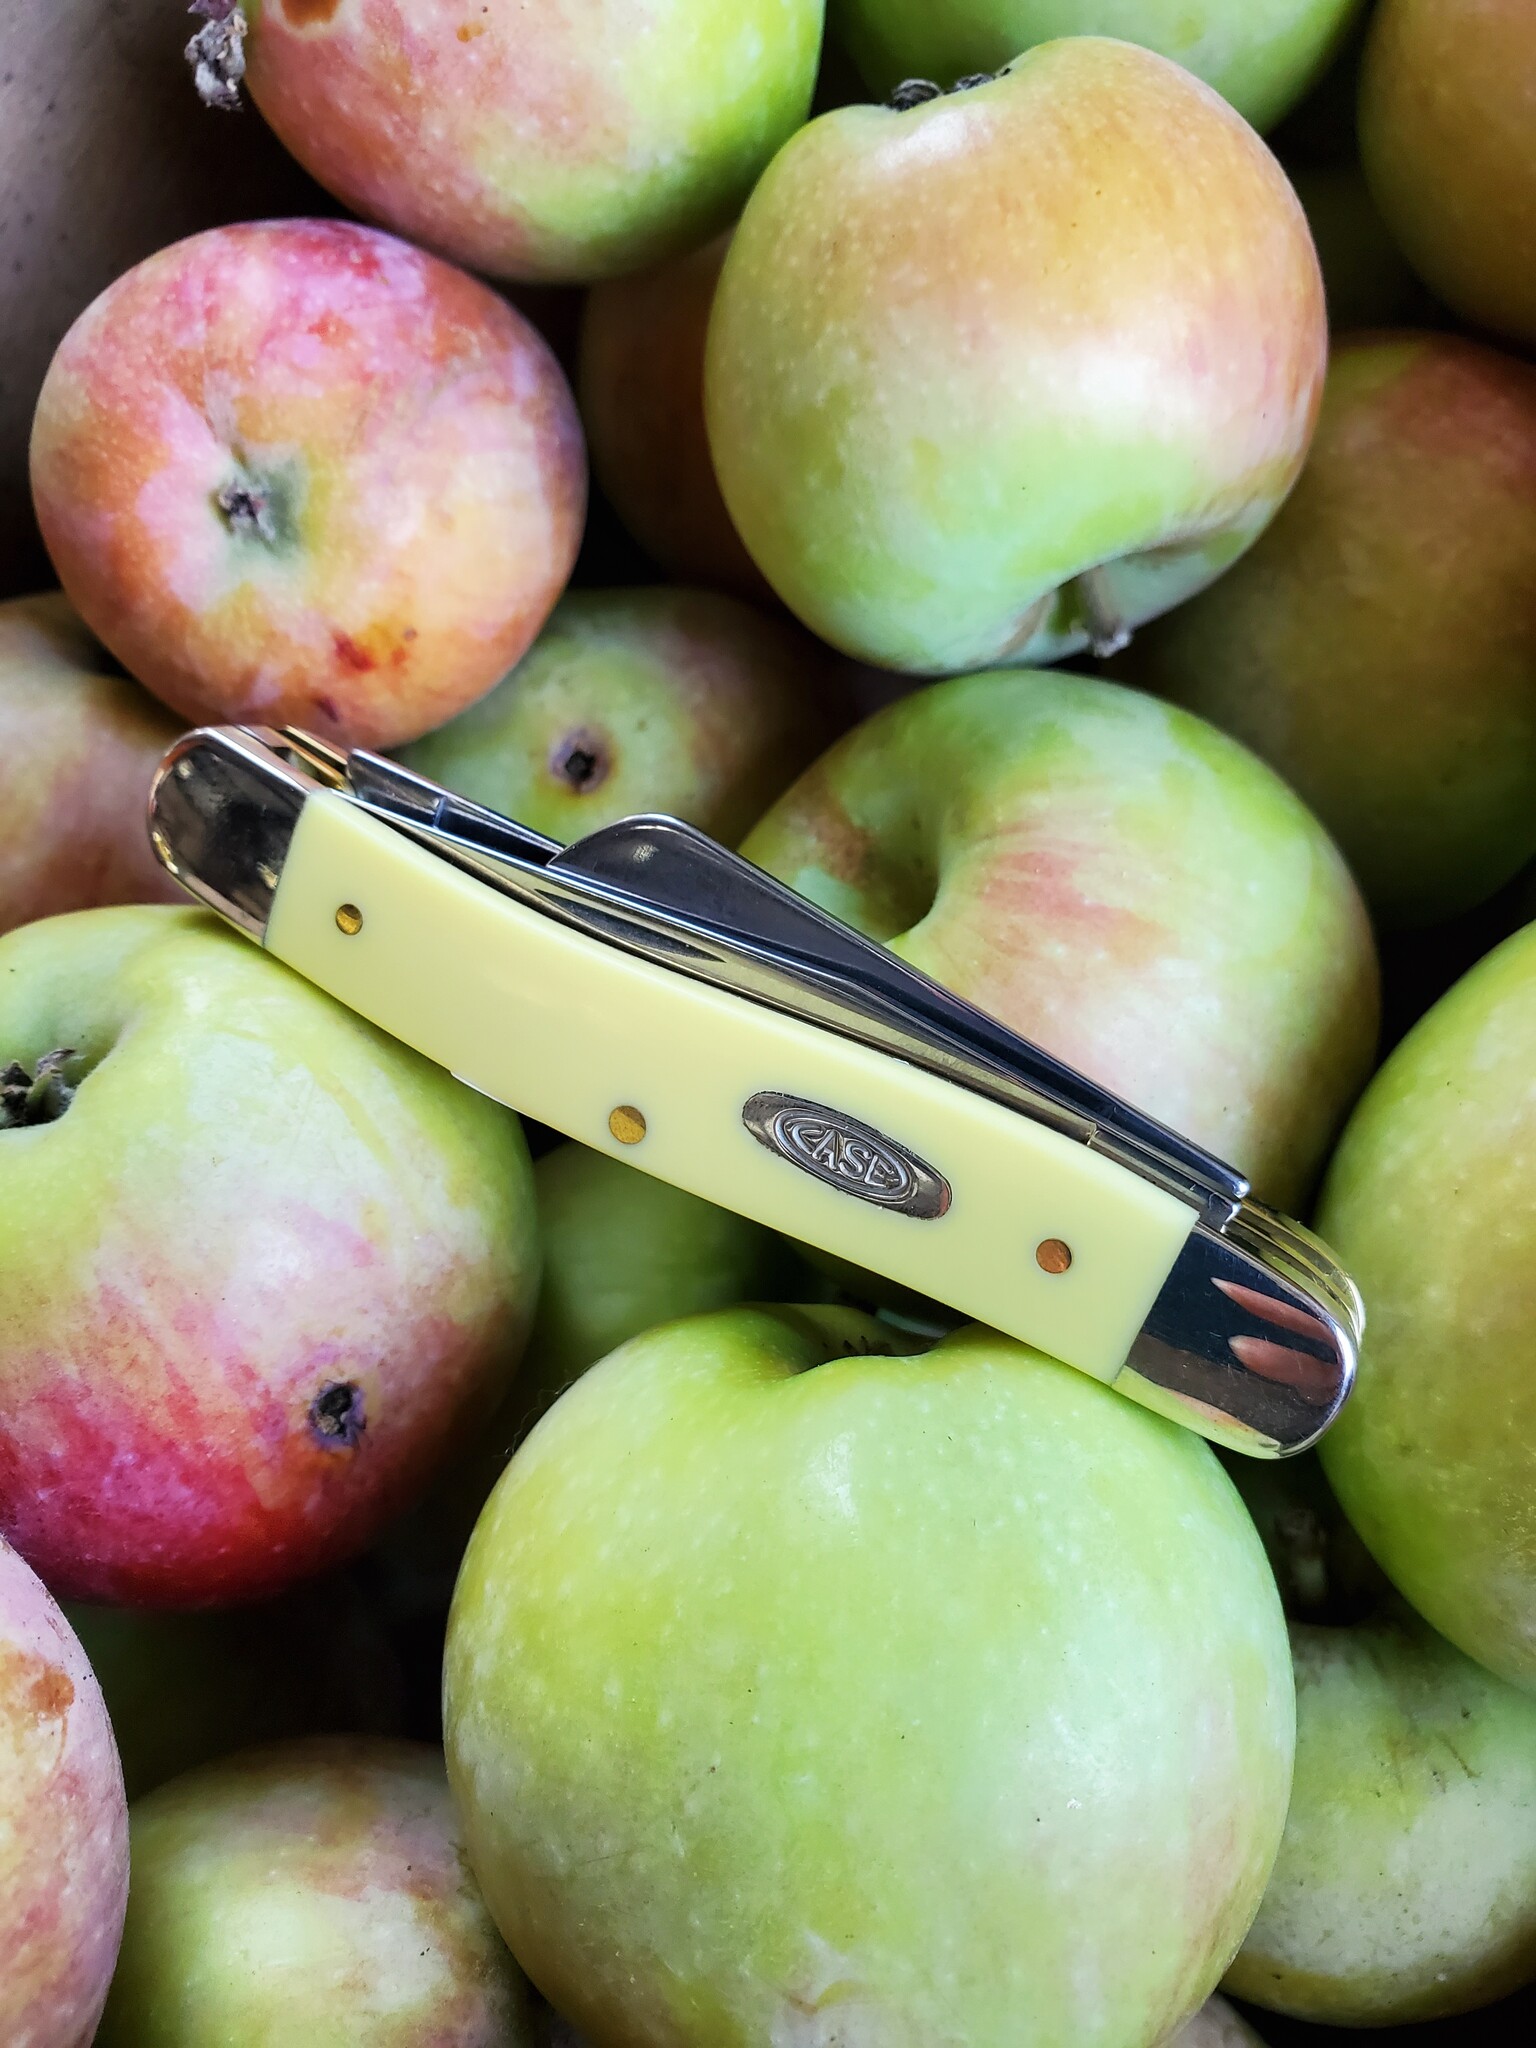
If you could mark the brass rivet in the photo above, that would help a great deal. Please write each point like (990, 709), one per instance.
(350, 919)
(627, 1124)
(1052, 1256)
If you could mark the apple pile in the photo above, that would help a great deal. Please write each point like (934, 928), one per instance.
(1053, 482)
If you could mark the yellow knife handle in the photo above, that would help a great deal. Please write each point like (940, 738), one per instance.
(1023, 1228)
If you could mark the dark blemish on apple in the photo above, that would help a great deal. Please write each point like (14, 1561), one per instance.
(328, 706)
(336, 1417)
(40, 1097)
(356, 658)
(582, 760)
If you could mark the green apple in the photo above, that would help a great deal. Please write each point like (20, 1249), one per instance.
(1405, 1888)
(1431, 1203)
(260, 1265)
(1259, 54)
(1215, 2025)
(999, 376)
(1378, 646)
(799, 1693)
(682, 701)
(1115, 880)
(309, 1892)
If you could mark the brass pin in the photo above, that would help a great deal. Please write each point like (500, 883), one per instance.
(350, 919)
(627, 1124)
(1052, 1256)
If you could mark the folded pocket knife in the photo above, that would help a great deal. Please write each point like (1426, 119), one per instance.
(659, 998)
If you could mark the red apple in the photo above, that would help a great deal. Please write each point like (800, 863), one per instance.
(1378, 646)
(1116, 880)
(259, 1265)
(297, 472)
(63, 1824)
(1000, 375)
(1446, 108)
(79, 746)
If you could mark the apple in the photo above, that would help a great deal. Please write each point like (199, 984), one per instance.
(311, 1891)
(260, 1265)
(1378, 646)
(998, 376)
(1405, 1888)
(1259, 54)
(683, 701)
(63, 1824)
(1445, 136)
(296, 472)
(1215, 2025)
(1431, 1204)
(80, 745)
(1115, 880)
(640, 379)
(570, 143)
(184, 1688)
(794, 1692)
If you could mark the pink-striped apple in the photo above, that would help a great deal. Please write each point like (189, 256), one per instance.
(1261, 55)
(1378, 646)
(574, 140)
(1119, 882)
(259, 1265)
(1446, 96)
(63, 1824)
(311, 1891)
(296, 472)
(1000, 375)
(79, 746)
(798, 1693)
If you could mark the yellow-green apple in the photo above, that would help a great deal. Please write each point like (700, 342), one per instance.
(1366, 280)
(1431, 1203)
(1215, 2025)
(1446, 96)
(297, 472)
(79, 744)
(63, 1824)
(796, 1693)
(1405, 1888)
(1378, 646)
(1117, 881)
(998, 376)
(648, 699)
(573, 141)
(640, 379)
(310, 1891)
(184, 1688)
(259, 1264)
(1261, 55)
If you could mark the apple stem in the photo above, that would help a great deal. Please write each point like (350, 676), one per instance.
(40, 1097)
(1108, 632)
(248, 508)
(217, 53)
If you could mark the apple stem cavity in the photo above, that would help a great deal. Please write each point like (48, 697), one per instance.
(1108, 631)
(336, 1417)
(217, 53)
(581, 761)
(917, 92)
(40, 1097)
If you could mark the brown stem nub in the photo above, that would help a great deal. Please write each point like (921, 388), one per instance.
(248, 508)
(1108, 632)
(217, 53)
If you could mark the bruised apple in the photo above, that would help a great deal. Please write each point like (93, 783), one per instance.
(260, 1266)
(296, 472)
(1000, 375)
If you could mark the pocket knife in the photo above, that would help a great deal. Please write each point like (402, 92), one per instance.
(658, 998)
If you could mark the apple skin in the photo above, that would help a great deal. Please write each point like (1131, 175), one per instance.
(682, 701)
(1445, 137)
(909, 1699)
(1405, 1888)
(1260, 55)
(256, 1279)
(1378, 646)
(1431, 1203)
(1115, 880)
(640, 379)
(576, 142)
(310, 1891)
(411, 461)
(80, 746)
(64, 1837)
(923, 451)
(1215, 2025)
